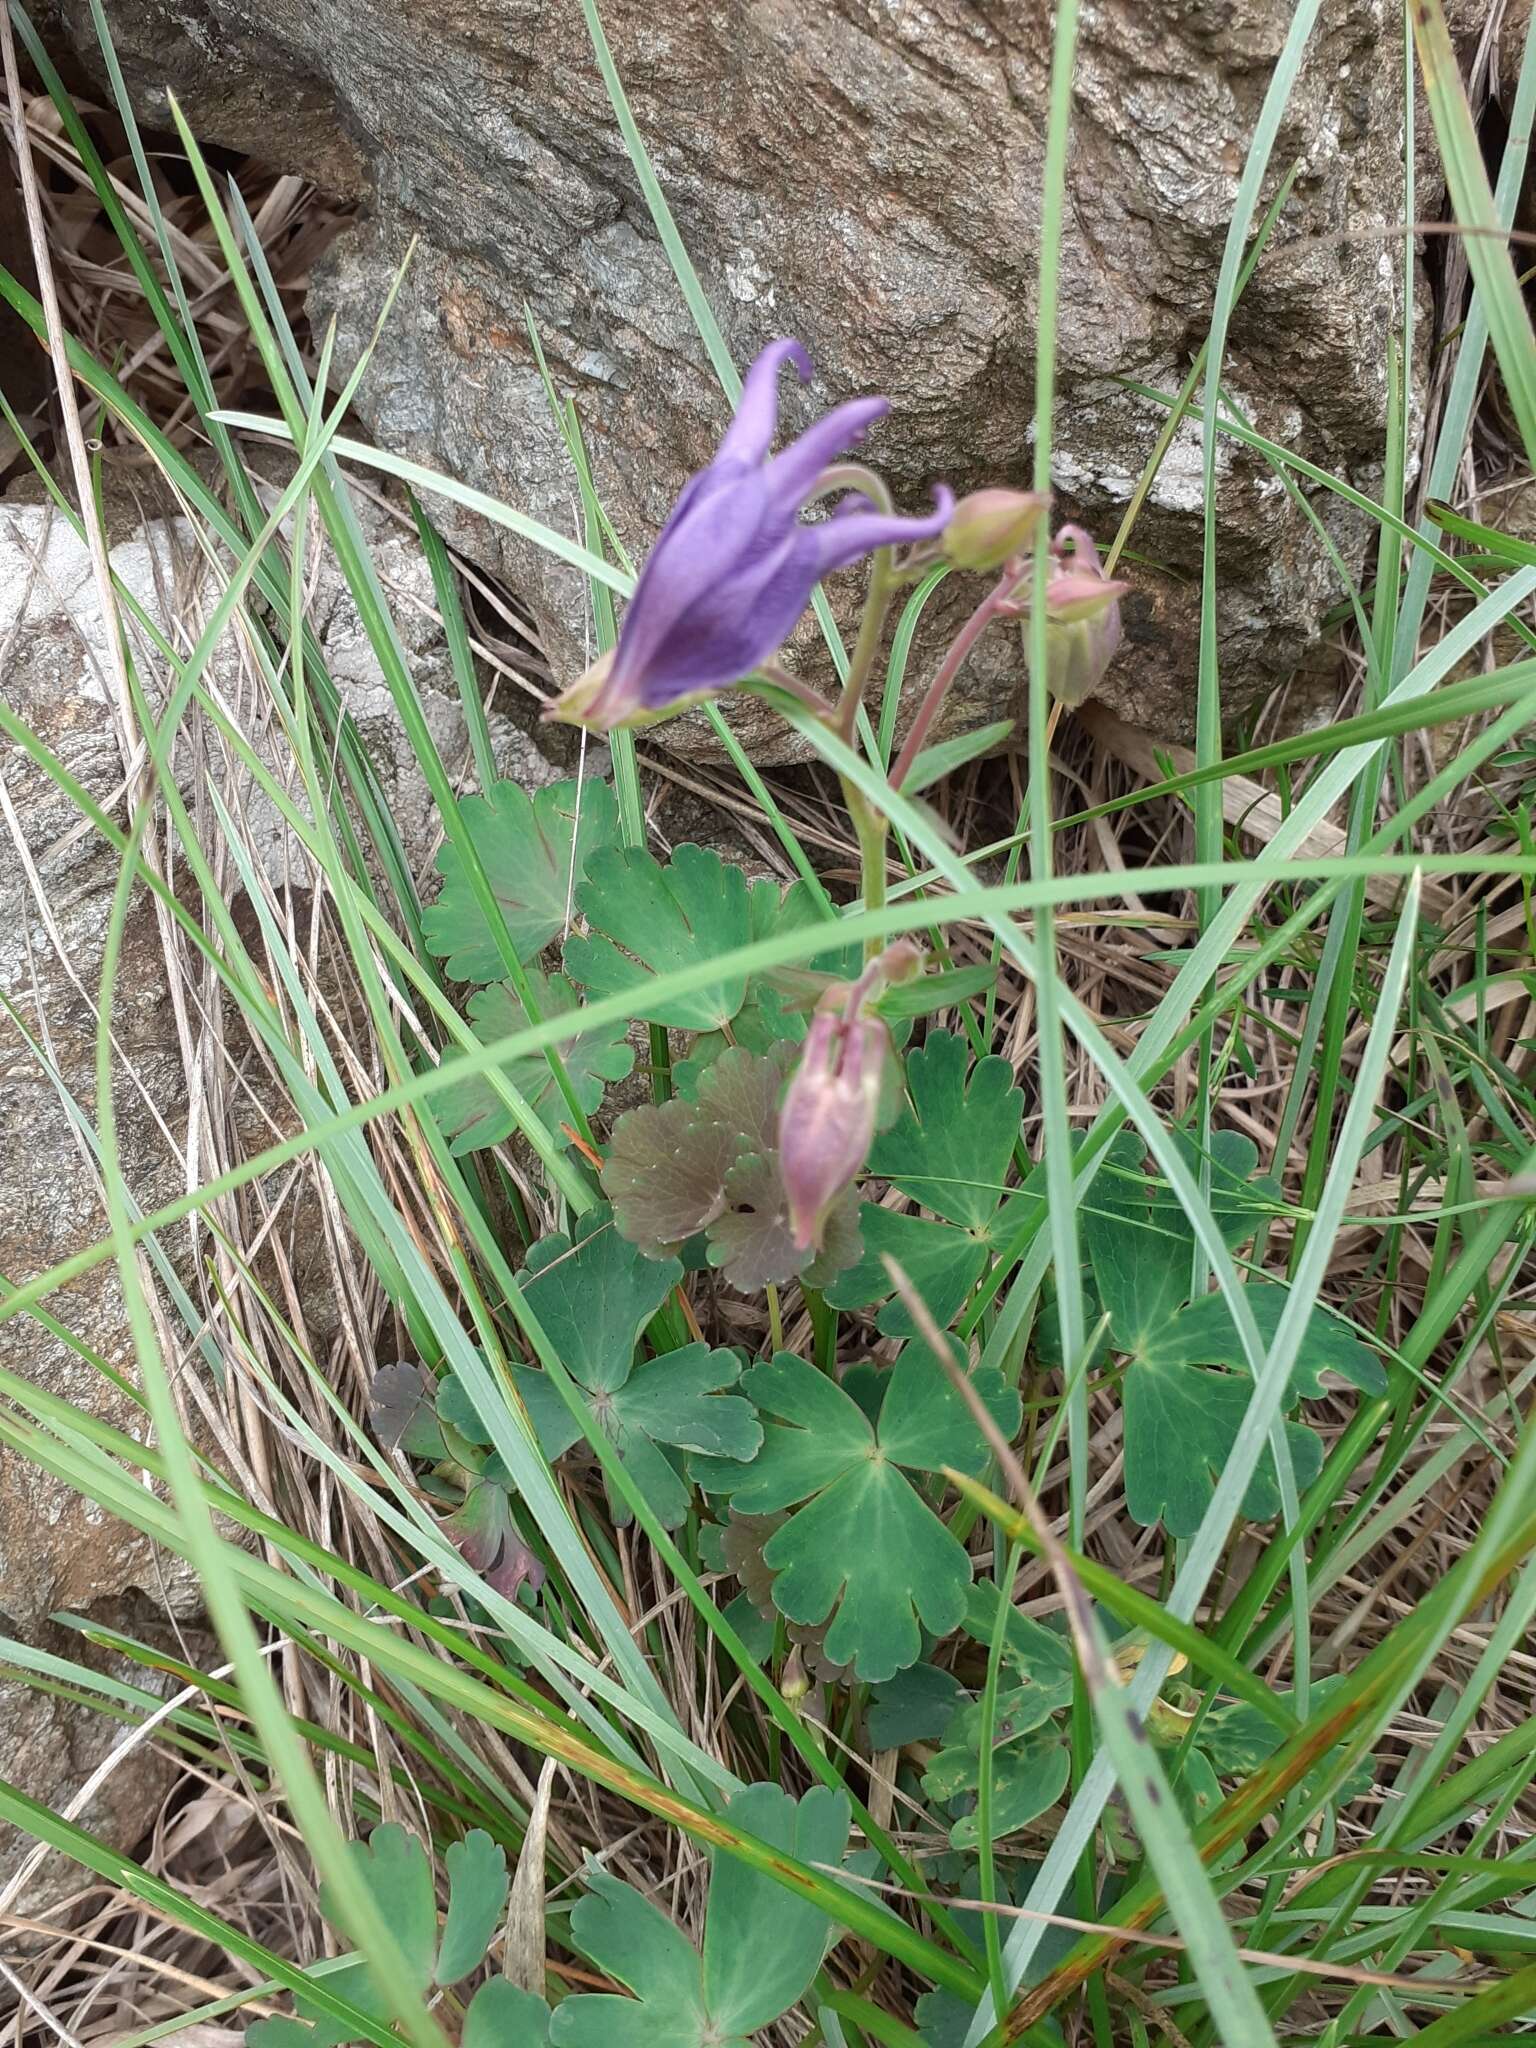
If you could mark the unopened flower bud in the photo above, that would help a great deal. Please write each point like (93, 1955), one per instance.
(1082, 609)
(795, 1682)
(900, 961)
(988, 528)
(827, 1122)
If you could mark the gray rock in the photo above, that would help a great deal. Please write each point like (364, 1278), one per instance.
(865, 175)
(57, 1551)
(88, 1766)
(354, 668)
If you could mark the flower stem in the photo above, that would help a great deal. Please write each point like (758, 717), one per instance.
(775, 1320)
(877, 605)
(959, 648)
(785, 679)
(854, 476)
(871, 829)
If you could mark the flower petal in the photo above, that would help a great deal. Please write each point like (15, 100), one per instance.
(717, 523)
(750, 434)
(726, 633)
(840, 541)
(792, 475)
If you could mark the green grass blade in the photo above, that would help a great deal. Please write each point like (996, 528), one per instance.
(1486, 240)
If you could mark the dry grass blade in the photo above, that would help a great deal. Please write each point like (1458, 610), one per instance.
(1172, 1944)
(1098, 1673)
(524, 1945)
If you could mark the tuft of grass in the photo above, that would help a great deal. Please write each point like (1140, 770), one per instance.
(1322, 944)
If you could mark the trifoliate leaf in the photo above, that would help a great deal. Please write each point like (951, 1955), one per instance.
(750, 1982)
(712, 1165)
(762, 1023)
(402, 1413)
(863, 1543)
(797, 910)
(1047, 1333)
(648, 921)
(471, 1111)
(503, 2016)
(1197, 1788)
(742, 1982)
(926, 1423)
(777, 1004)
(286, 2033)
(741, 1551)
(755, 1631)
(458, 1411)
(633, 1941)
(943, 2019)
(396, 1870)
(1140, 1240)
(1180, 1425)
(668, 1163)
(914, 1706)
(921, 1579)
(477, 1891)
(354, 1982)
(665, 1173)
(1238, 1739)
(942, 1263)
(1205, 1333)
(741, 1091)
(951, 1145)
(677, 1400)
(488, 1539)
(950, 1149)
(1180, 1420)
(525, 847)
(741, 1543)
(1037, 1660)
(866, 1382)
(666, 1397)
(751, 1239)
(1028, 1777)
(841, 1244)
(593, 1294)
(1021, 1709)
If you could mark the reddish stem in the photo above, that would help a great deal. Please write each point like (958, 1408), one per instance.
(992, 606)
(784, 679)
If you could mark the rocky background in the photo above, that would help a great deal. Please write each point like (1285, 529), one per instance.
(58, 1552)
(865, 175)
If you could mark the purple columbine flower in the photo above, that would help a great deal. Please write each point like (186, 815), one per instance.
(734, 567)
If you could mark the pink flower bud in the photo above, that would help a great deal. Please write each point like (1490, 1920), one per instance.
(989, 527)
(1082, 608)
(827, 1122)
